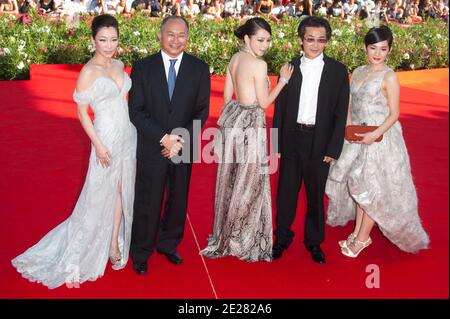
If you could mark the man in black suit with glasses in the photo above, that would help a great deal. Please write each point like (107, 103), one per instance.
(310, 113)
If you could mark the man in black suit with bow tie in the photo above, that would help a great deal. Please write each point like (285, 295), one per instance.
(310, 113)
(170, 90)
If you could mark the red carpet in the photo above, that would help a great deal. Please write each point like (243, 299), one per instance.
(44, 155)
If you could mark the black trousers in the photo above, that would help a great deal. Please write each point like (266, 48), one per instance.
(298, 165)
(149, 230)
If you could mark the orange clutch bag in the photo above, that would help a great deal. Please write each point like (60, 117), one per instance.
(351, 130)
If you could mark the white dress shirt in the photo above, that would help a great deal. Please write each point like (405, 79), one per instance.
(311, 70)
(166, 59)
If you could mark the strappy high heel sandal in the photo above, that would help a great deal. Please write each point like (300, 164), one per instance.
(355, 248)
(115, 260)
(348, 241)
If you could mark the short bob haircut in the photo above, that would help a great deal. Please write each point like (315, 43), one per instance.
(379, 34)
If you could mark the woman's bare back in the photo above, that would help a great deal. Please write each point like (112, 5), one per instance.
(242, 70)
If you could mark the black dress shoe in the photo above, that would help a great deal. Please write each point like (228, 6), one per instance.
(140, 268)
(277, 251)
(316, 253)
(174, 258)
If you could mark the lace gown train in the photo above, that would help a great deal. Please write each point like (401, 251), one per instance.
(377, 176)
(243, 213)
(77, 250)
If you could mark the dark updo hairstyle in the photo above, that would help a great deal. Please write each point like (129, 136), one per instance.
(251, 26)
(379, 34)
(104, 21)
(314, 22)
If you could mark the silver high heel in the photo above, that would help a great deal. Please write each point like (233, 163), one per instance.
(348, 241)
(357, 247)
(115, 260)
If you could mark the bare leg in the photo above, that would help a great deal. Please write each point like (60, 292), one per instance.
(358, 222)
(359, 219)
(114, 247)
(366, 227)
(363, 237)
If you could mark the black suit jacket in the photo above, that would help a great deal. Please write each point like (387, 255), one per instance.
(332, 108)
(151, 110)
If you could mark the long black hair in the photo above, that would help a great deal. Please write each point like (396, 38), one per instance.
(251, 26)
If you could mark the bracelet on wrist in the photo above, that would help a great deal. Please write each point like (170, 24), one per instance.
(283, 80)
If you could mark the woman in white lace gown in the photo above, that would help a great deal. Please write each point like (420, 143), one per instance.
(243, 212)
(100, 225)
(374, 178)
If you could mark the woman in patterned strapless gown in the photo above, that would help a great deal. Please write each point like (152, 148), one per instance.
(99, 227)
(243, 214)
(374, 178)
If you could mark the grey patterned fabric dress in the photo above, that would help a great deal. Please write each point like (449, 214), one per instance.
(377, 176)
(77, 250)
(243, 212)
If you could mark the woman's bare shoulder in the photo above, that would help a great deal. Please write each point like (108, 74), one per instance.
(119, 64)
(259, 66)
(260, 62)
(87, 76)
(390, 77)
